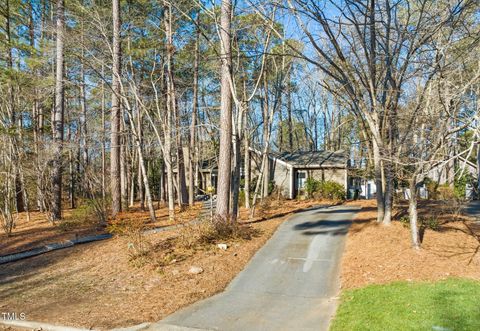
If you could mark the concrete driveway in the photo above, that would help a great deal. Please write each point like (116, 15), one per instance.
(473, 209)
(290, 284)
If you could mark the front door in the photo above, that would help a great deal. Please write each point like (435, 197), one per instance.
(300, 181)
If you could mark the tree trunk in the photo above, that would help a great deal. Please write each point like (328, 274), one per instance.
(148, 195)
(224, 159)
(181, 182)
(140, 190)
(104, 147)
(83, 106)
(192, 159)
(71, 167)
(378, 181)
(289, 114)
(123, 161)
(141, 195)
(58, 114)
(170, 113)
(162, 192)
(478, 171)
(238, 135)
(413, 214)
(141, 164)
(266, 135)
(389, 191)
(247, 172)
(13, 112)
(115, 184)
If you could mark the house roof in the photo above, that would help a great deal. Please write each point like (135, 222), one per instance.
(314, 159)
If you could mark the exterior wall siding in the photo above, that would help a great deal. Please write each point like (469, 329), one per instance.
(281, 177)
(329, 174)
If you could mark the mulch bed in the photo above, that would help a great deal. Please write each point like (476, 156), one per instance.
(377, 254)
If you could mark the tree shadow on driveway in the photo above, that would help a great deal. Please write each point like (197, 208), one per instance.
(332, 228)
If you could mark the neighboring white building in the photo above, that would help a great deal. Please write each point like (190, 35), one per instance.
(443, 172)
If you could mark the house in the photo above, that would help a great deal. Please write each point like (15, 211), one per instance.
(444, 172)
(289, 171)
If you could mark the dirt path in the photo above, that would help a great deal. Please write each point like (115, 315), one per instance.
(290, 284)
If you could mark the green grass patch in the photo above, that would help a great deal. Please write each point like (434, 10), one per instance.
(452, 304)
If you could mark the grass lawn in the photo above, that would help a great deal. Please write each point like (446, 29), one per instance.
(452, 304)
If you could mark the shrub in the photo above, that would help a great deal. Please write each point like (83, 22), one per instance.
(9, 219)
(445, 192)
(332, 190)
(241, 198)
(431, 223)
(325, 189)
(312, 186)
(138, 247)
(460, 184)
(92, 212)
(271, 187)
(432, 188)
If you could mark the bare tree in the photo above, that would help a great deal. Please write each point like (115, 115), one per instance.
(58, 114)
(368, 52)
(224, 158)
(115, 185)
(192, 171)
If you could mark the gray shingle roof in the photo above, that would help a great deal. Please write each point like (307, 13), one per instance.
(314, 159)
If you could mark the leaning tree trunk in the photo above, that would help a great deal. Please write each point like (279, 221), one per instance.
(115, 174)
(224, 158)
(57, 117)
(141, 193)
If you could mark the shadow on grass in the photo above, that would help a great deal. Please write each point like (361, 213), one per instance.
(452, 317)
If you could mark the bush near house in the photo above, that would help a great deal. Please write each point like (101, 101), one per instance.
(324, 189)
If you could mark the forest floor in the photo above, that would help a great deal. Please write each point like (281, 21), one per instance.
(133, 278)
(38, 231)
(377, 254)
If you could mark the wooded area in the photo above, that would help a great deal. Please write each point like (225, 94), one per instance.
(109, 104)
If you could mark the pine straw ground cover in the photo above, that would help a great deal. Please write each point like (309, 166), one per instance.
(377, 254)
(126, 281)
(38, 231)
